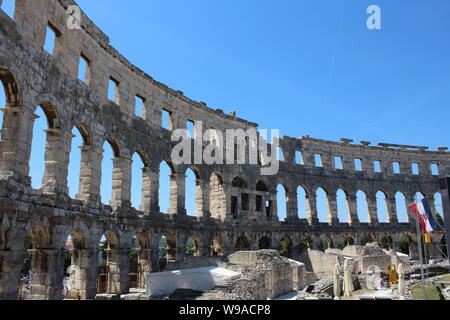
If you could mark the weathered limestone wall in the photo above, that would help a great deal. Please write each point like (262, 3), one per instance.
(32, 77)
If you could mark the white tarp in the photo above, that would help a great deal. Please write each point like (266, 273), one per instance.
(163, 283)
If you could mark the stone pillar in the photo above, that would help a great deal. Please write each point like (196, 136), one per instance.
(311, 209)
(83, 274)
(11, 263)
(291, 206)
(90, 174)
(121, 182)
(227, 214)
(144, 266)
(352, 209)
(410, 199)
(15, 145)
(154, 260)
(333, 218)
(177, 194)
(391, 207)
(146, 191)
(47, 274)
(372, 209)
(119, 268)
(57, 153)
(153, 182)
(202, 195)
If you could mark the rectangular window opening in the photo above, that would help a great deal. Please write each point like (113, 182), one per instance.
(190, 129)
(415, 169)
(84, 72)
(280, 156)
(338, 163)
(358, 164)
(166, 119)
(139, 106)
(113, 90)
(377, 166)
(318, 160)
(396, 167)
(244, 200)
(435, 169)
(50, 38)
(299, 158)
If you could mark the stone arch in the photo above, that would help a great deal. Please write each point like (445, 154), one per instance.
(382, 207)
(322, 204)
(193, 191)
(115, 146)
(262, 185)
(143, 240)
(342, 213)
(196, 249)
(401, 207)
(265, 243)
(302, 204)
(239, 182)
(242, 244)
(85, 133)
(11, 87)
(79, 239)
(365, 239)
(113, 239)
(216, 246)
(217, 196)
(41, 237)
(362, 206)
(285, 246)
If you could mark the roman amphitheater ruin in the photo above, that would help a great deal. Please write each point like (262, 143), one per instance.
(236, 207)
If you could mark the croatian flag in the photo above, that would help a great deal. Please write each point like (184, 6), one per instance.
(423, 213)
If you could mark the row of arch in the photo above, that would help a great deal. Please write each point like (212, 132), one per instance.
(81, 139)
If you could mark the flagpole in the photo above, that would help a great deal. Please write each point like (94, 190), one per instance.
(419, 239)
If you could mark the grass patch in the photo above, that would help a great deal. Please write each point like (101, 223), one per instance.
(432, 292)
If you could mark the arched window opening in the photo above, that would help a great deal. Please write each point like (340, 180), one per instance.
(361, 205)
(167, 249)
(404, 245)
(216, 248)
(217, 197)
(342, 206)
(137, 173)
(382, 207)
(265, 243)
(281, 202)
(438, 206)
(38, 147)
(192, 192)
(285, 247)
(107, 172)
(242, 244)
(301, 202)
(192, 248)
(322, 205)
(400, 203)
(78, 141)
(165, 173)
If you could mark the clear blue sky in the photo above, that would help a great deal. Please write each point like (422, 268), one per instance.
(305, 67)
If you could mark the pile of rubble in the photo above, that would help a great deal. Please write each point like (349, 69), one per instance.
(264, 275)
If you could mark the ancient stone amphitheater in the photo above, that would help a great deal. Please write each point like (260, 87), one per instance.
(236, 207)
